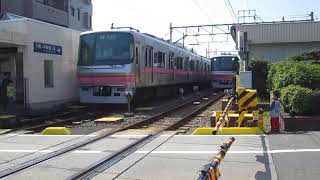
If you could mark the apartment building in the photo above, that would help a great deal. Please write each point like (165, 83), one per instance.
(74, 14)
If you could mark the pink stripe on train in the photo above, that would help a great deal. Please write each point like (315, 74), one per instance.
(107, 79)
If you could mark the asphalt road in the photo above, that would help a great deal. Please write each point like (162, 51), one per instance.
(304, 160)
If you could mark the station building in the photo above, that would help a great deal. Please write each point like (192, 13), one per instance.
(276, 40)
(41, 59)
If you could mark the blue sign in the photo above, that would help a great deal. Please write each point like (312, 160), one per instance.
(47, 48)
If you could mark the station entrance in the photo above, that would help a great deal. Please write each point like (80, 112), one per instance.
(11, 69)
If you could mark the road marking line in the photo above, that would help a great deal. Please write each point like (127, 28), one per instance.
(86, 152)
(239, 135)
(89, 135)
(130, 135)
(167, 152)
(294, 150)
(41, 135)
(231, 152)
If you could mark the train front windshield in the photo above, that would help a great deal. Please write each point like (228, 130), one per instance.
(224, 63)
(110, 48)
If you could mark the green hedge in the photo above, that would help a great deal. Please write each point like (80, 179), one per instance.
(316, 102)
(297, 100)
(284, 73)
(306, 56)
(260, 70)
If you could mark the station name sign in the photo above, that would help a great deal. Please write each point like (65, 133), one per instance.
(47, 48)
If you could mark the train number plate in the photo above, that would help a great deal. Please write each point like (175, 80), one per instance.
(102, 91)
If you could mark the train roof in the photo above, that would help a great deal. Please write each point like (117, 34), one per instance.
(146, 36)
(232, 55)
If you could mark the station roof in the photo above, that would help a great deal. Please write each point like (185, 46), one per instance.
(280, 32)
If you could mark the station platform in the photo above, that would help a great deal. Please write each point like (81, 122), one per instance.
(168, 156)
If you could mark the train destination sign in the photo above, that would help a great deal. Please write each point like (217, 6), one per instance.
(47, 48)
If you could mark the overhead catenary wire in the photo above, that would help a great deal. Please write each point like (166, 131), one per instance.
(206, 14)
(231, 10)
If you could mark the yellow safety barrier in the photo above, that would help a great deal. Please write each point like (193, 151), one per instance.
(237, 81)
(211, 171)
(56, 131)
(228, 131)
(236, 119)
(247, 98)
(241, 121)
(110, 119)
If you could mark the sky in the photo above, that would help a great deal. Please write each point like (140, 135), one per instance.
(154, 16)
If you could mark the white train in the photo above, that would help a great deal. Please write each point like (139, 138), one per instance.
(113, 63)
(224, 69)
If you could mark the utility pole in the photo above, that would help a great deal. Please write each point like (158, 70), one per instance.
(311, 16)
(183, 40)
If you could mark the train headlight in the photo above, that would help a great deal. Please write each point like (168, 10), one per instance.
(128, 93)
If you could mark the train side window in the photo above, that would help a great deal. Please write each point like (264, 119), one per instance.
(181, 63)
(191, 65)
(186, 63)
(137, 55)
(161, 60)
(155, 59)
(197, 66)
(176, 62)
(163, 63)
(171, 57)
(146, 57)
(150, 57)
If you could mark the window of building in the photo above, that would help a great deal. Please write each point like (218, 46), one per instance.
(48, 73)
(78, 14)
(61, 4)
(72, 11)
(90, 21)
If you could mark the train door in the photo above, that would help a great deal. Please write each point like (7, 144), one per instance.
(151, 60)
(186, 67)
(137, 63)
(148, 70)
(171, 65)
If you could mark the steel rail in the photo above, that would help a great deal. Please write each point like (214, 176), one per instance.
(25, 165)
(105, 163)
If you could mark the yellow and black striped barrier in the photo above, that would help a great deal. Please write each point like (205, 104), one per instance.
(236, 119)
(247, 98)
(241, 121)
(211, 171)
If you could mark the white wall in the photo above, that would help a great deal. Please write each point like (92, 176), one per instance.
(65, 80)
(282, 32)
(280, 51)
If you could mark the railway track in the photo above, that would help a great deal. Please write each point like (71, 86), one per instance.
(30, 124)
(168, 121)
(152, 121)
(84, 115)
